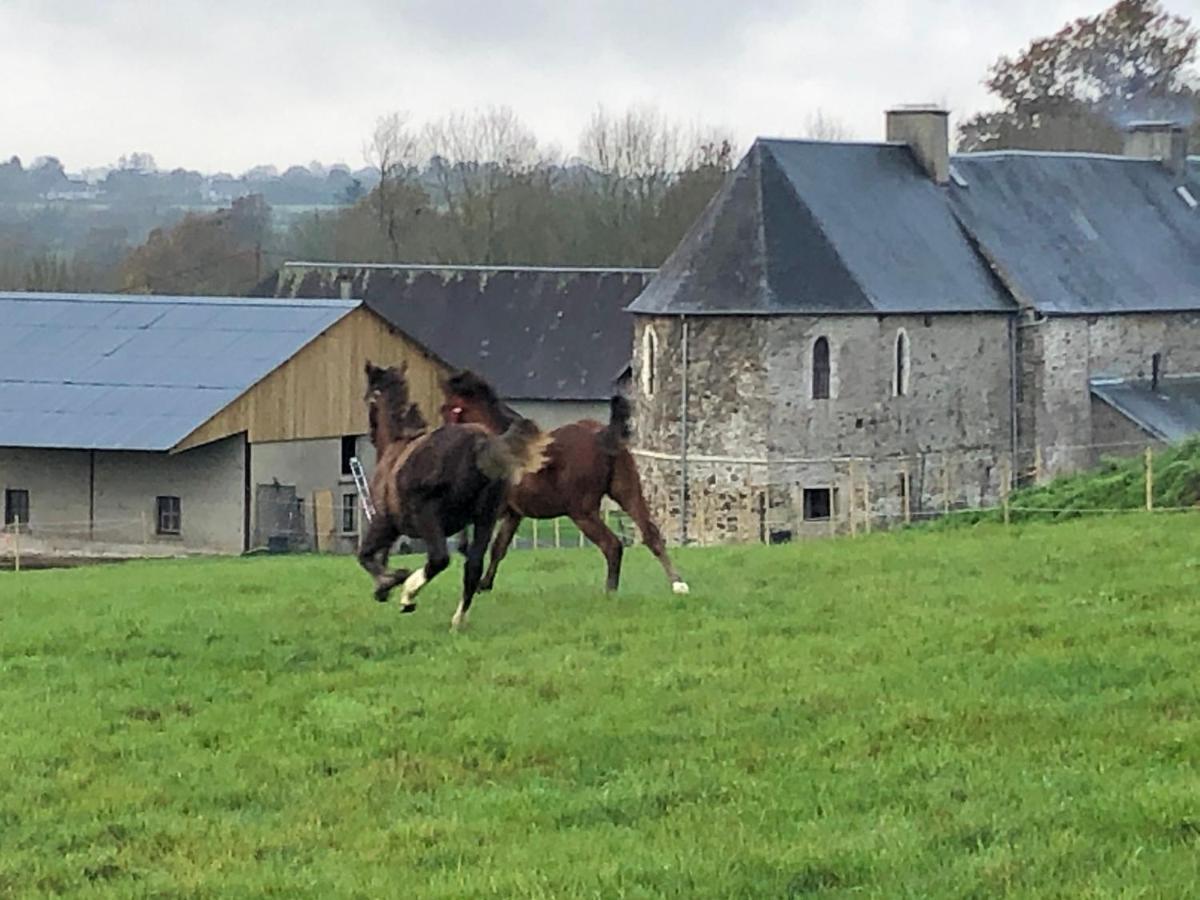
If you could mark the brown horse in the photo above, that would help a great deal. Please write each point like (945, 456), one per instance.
(587, 460)
(432, 483)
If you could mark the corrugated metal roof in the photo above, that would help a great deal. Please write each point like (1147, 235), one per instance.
(115, 372)
(534, 333)
(1083, 233)
(815, 227)
(1171, 413)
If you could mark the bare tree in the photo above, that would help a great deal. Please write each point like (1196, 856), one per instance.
(647, 167)
(394, 151)
(820, 126)
(476, 158)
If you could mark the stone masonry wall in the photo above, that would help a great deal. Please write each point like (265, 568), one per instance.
(727, 418)
(1067, 351)
(757, 439)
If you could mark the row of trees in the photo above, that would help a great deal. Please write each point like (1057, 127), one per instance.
(480, 188)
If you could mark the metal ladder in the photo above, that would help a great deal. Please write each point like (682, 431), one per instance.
(364, 489)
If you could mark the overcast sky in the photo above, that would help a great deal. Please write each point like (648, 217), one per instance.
(227, 84)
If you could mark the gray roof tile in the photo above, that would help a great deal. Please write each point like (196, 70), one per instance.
(815, 227)
(1077, 233)
(1170, 413)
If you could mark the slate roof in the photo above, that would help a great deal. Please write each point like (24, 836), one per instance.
(535, 333)
(818, 227)
(118, 372)
(1171, 413)
(1084, 234)
(829, 228)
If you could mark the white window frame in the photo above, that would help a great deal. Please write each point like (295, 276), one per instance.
(901, 380)
(649, 368)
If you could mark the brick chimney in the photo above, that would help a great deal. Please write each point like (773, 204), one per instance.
(926, 129)
(1165, 141)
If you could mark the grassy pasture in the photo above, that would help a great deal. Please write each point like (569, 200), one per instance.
(974, 713)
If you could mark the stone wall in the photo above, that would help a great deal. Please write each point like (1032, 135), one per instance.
(1065, 352)
(727, 414)
(757, 439)
(1115, 434)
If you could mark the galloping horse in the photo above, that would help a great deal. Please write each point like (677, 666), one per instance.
(587, 460)
(430, 484)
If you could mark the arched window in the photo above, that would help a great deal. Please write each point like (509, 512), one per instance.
(820, 369)
(649, 361)
(900, 377)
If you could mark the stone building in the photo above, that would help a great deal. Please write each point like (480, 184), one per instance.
(925, 327)
(134, 426)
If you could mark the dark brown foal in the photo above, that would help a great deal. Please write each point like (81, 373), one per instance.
(587, 461)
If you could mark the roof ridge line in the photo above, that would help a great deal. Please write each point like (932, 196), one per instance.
(475, 267)
(175, 299)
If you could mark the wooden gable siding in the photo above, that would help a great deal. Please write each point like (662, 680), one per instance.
(318, 393)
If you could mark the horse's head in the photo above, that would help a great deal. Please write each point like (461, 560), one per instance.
(471, 400)
(390, 414)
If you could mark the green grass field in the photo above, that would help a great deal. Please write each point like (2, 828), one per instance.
(976, 713)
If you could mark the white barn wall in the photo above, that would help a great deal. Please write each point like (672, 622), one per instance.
(57, 481)
(208, 480)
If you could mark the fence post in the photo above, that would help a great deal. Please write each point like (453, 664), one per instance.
(558, 533)
(833, 504)
(906, 483)
(17, 545)
(867, 502)
(945, 485)
(535, 531)
(1005, 486)
(1149, 479)
(852, 496)
(1037, 464)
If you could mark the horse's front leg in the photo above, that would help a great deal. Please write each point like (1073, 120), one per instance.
(373, 554)
(437, 558)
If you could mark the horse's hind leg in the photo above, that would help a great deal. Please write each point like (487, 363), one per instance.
(626, 489)
(508, 529)
(599, 534)
(474, 569)
(436, 560)
(373, 554)
(509, 522)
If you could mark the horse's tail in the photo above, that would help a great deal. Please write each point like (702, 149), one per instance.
(519, 451)
(618, 431)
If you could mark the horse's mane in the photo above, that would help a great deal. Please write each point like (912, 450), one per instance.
(390, 389)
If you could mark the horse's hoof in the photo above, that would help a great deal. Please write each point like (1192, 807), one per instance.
(382, 596)
(408, 607)
(458, 624)
(483, 588)
(680, 587)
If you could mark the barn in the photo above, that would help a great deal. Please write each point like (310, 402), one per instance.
(886, 330)
(554, 341)
(137, 426)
